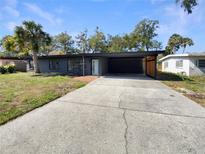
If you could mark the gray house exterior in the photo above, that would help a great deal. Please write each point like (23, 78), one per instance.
(100, 63)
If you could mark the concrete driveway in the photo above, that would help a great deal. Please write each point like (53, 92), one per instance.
(112, 115)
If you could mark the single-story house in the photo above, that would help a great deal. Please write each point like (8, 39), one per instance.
(101, 63)
(22, 64)
(187, 64)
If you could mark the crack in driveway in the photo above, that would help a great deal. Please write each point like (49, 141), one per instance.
(126, 131)
(126, 124)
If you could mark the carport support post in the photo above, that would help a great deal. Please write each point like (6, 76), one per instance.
(155, 74)
(145, 65)
(83, 65)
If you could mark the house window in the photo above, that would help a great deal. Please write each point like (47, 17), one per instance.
(75, 66)
(70, 66)
(202, 63)
(53, 64)
(179, 63)
(166, 64)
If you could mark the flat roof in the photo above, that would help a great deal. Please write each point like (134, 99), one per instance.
(108, 55)
(16, 58)
(183, 55)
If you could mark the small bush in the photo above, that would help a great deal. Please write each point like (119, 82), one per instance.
(3, 69)
(165, 76)
(11, 68)
(183, 77)
(7, 69)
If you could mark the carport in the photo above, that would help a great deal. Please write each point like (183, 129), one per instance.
(130, 63)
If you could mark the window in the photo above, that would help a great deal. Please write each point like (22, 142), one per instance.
(75, 66)
(70, 66)
(53, 64)
(202, 63)
(166, 65)
(179, 63)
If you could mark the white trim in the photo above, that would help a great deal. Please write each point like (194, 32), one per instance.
(175, 55)
(182, 55)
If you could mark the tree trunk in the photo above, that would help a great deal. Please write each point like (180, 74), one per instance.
(35, 62)
(184, 50)
(147, 48)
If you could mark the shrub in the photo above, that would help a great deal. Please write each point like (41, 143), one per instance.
(7, 69)
(3, 69)
(165, 76)
(11, 68)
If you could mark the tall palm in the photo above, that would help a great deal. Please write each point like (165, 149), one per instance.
(186, 42)
(31, 34)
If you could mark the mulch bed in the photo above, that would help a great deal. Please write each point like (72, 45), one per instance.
(86, 79)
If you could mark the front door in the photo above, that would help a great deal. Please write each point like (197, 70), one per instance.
(95, 67)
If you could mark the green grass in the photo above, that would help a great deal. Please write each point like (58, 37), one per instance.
(195, 84)
(23, 92)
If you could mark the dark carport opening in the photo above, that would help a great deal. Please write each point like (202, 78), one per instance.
(125, 65)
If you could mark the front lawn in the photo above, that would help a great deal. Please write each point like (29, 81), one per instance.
(192, 87)
(22, 92)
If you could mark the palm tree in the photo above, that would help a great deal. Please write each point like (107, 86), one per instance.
(187, 42)
(31, 34)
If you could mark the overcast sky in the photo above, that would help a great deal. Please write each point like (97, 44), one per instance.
(112, 16)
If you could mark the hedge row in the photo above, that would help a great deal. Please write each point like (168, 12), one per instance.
(7, 69)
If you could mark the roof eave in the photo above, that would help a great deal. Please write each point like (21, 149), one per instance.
(117, 54)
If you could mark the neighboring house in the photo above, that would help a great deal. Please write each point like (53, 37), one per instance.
(21, 64)
(187, 64)
(101, 63)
